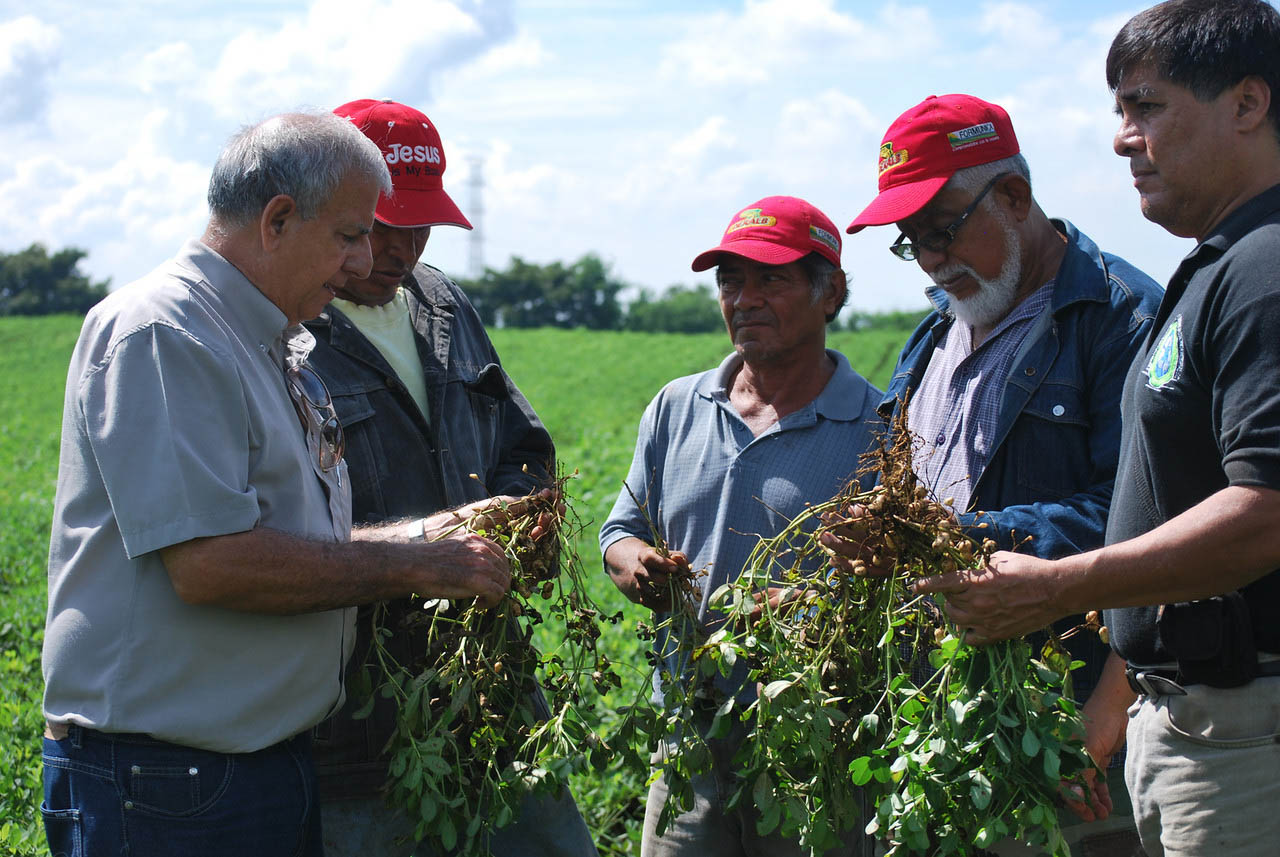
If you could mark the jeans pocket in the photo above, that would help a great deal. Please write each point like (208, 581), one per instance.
(62, 828)
(178, 789)
(1240, 724)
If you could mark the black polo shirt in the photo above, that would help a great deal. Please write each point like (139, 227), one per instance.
(1201, 405)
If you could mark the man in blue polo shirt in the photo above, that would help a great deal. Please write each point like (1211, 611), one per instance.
(1193, 546)
(734, 453)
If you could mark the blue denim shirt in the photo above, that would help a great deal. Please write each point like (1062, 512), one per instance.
(1053, 461)
(403, 466)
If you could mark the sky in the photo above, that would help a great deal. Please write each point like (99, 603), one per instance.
(632, 129)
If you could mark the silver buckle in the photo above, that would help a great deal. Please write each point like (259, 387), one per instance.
(1151, 684)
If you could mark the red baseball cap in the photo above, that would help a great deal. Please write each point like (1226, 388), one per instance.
(924, 148)
(411, 146)
(776, 230)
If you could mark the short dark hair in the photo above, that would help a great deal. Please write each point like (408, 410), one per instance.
(819, 269)
(1203, 45)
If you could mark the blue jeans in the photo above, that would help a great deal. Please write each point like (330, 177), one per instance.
(114, 794)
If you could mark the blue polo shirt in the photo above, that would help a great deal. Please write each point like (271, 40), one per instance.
(712, 488)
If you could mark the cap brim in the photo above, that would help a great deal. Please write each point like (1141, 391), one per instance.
(410, 209)
(898, 203)
(765, 252)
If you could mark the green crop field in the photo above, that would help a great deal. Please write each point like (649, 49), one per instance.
(589, 387)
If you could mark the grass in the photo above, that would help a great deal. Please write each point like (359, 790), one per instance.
(588, 387)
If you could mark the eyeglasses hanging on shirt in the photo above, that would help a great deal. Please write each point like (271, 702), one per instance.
(315, 410)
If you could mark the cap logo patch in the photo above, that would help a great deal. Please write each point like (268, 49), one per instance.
(891, 158)
(751, 217)
(974, 135)
(817, 233)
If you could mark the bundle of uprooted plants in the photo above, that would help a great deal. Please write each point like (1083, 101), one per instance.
(870, 712)
(485, 718)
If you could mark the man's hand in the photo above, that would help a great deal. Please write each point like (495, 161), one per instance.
(1011, 596)
(493, 512)
(850, 545)
(464, 565)
(642, 573)
(1106, 719)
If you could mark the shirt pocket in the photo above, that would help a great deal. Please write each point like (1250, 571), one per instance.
(366, 460)
(1051, 440)
(484, 389)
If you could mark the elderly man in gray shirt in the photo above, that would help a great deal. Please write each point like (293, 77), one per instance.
(201, 568)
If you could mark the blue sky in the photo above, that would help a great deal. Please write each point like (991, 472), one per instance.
(631, 129)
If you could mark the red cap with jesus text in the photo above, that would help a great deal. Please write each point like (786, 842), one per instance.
(411, 146)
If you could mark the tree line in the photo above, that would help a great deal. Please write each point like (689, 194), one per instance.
(524, 294)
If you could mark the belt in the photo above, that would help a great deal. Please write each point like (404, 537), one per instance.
(1169, 682)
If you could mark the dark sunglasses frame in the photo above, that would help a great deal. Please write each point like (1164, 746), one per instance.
(939, 239)
(315, 407)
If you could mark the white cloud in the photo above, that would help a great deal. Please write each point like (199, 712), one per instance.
(522, 53)
(28, 55)
(338, 51)
(167, 68)
(131, 214)
(774, 36)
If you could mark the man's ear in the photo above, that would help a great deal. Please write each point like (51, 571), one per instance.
(834, 298)
(275, 220)
(1014, 192)
(1252, 102)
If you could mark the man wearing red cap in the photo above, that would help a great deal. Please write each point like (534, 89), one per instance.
(732, 454)
(425, 404)
(1013, 382)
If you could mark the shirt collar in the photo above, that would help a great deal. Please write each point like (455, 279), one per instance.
(844, 397)
(233, 293)
(1240, 222)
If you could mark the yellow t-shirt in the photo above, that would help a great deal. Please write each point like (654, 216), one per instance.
(390, 331)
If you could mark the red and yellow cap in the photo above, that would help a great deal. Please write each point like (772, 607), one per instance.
(924, 148)
(776, 230)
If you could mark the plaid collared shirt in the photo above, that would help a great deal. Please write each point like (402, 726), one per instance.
(955, 411)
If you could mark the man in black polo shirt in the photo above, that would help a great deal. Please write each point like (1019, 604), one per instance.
(1194, 529)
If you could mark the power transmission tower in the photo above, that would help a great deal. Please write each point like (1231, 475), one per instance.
(475, 262)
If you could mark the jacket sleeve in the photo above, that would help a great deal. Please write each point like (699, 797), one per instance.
(1076, 523)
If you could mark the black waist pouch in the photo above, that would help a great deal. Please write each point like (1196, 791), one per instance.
(1211, 639)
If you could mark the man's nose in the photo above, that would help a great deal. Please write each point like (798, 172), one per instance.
(359, 261)
(1127, 140)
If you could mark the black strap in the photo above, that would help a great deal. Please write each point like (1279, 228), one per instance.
(1158, 682)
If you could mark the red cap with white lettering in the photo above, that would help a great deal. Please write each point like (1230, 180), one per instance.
(411, 146)
(924, 148)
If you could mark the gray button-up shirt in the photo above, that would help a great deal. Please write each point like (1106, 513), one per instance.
(177, 425)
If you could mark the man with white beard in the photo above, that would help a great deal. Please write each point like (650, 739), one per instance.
(1014, 381)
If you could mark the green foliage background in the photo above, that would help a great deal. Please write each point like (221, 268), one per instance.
(589, 387)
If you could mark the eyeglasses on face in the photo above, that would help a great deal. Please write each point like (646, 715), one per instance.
(939, 239)
(315, 409)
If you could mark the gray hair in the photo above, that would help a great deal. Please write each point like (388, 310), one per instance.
(973, 179)
(305, 156)
(820, 270)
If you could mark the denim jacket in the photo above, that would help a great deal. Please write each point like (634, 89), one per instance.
(1053, 461)
(402, 465)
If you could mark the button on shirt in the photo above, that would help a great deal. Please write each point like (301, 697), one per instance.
(177, 425)
(712, 488)
(956, 408)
